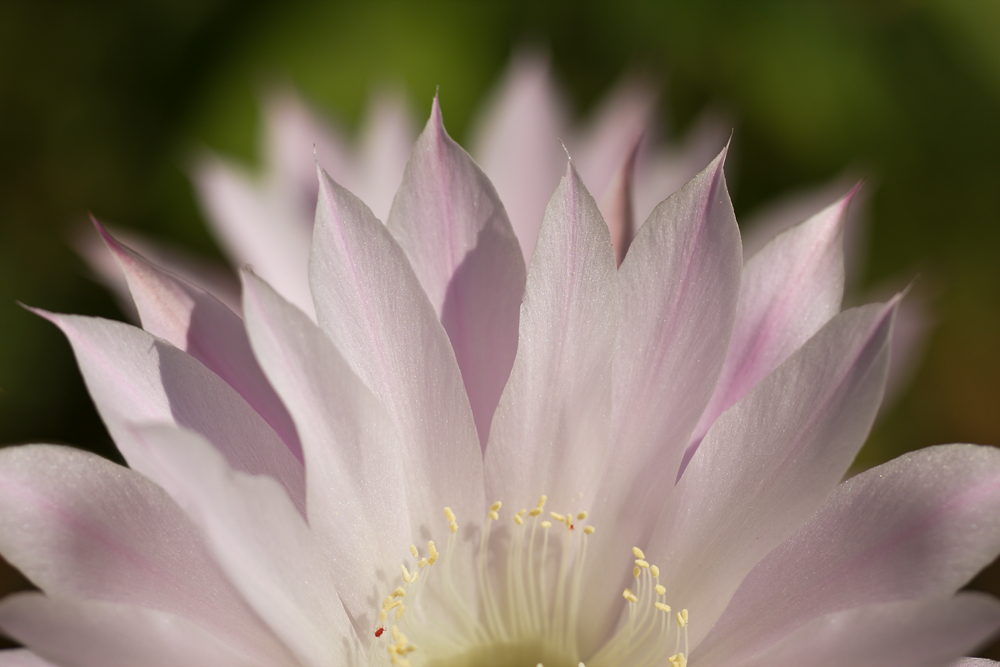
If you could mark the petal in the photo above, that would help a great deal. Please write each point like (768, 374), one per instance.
(198, 323)
(788, 291)
(617, 206)
(133, 376)
(550, 432)
(213, 277)
(921, 525)
(919, 633)
(371, 305)
(80, 526)
(516, 143)
(87, 633)
(359, 498)
(257, 225)
(974, 662)
(678, 285)
(259, 539)
(386, 141)
(770, 461)
(21, 658)
(449, 220)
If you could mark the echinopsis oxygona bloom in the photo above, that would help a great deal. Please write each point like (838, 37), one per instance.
(463, 461)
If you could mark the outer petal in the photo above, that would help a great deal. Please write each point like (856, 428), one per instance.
(133, 376)
(80, 526)
(86, 633)
(678, 288)
(449, 220)
(617, 206)
(516, 143)
(921, 525)
(258, 225)
(550, 432)
(373, 308)
(770, 461)
(789, 290)
(21, 658)
(194, 321)
(357, 490)
(921, 633)
(974, 662)
(260, 540)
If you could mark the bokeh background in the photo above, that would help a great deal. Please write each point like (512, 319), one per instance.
(104, 105)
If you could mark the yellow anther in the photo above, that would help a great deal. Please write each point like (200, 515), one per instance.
(399, 614)
(665, 608)
(581, 516)
(546, 524)
(653, 570)
(413, 550)
(535, 512)
(661, 589)
(406, 573)
(678, 660)
(541, 501)
(398, 636)
(400, 592)
(494, 515)
(635, 571)
(641, 563)
(589, 530)
(518, 520)
(682, 617)
(637, 552)
(448, 514)
(433, 553)
(626, 594)
(495, 507)
(453, 527)
(557, 516)
(381, 616)
(392, 605)
(422, 562)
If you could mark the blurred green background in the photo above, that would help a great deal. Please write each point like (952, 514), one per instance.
(103, 106)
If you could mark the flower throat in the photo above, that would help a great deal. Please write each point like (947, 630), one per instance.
(529, 598)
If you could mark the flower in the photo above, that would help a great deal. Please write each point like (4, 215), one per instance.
(466, 460)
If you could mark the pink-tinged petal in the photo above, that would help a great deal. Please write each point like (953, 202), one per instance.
(617, 206)
(516, 142)
(788, 291)
(551, 428)
(260, 540)
(914, 325)
(974, 662)
(678, 287)
(449, 220)
(372, 306)
(80, 526)
(362, 527)
(215, 279)
(194, 321)
(295, 139)
(614, 133)
(21, 658)
(258, 225)
(134, 376)
(770, 461)
(921, 525)
(914, 633)
(386, 141)
(88, 633)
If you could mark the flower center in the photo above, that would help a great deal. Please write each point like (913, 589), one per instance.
(524, 611)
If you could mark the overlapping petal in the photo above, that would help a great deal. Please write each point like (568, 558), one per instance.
(553, 420)
(449, 220)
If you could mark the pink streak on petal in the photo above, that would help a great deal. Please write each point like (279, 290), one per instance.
(133, 376)
(371, 304)
(449, 220)
(198, 323)
(618, 207)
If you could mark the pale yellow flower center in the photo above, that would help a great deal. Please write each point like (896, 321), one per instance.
(529, 577)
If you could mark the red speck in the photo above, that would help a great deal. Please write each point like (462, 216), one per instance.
(572, 526)
(378, 633)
